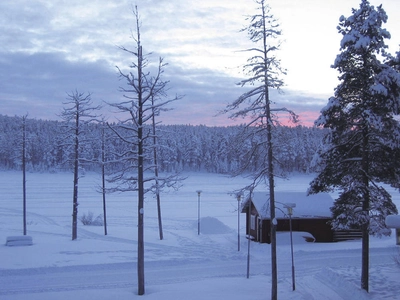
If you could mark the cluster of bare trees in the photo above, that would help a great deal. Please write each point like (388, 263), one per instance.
(136, 164)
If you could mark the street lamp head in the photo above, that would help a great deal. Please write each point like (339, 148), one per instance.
(289, 207)
(198, 192)
(239, 196)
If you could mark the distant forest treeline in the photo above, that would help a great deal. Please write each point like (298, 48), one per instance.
(180, 147)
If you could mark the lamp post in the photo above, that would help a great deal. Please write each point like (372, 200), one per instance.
(249, 238)
(198, 211)
(289, 207)
(239, 196)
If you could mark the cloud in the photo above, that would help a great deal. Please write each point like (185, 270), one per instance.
(38, 83)
(50, 47)
(208, 92)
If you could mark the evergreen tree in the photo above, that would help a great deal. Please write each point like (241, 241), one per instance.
(361, 148)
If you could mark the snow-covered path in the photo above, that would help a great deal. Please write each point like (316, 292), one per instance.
(312, 270)
(182, 266)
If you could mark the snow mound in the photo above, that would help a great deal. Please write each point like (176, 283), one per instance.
(210, 225)
(393, 221)
(299, 237)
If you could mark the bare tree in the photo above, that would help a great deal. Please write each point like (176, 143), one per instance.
(103, 173)
(24, 170)
(156, 173)
(255, 105)
(76, 117)
(144, 99)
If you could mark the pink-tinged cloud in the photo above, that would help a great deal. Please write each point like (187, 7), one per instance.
(307, 118)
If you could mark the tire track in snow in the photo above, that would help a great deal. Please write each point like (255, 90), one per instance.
(344, 288)
(56, 279)
(32, 217)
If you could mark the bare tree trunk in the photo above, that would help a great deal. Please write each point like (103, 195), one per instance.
(365, 258)
(365, 227)
(274, 268)
(140, 258)
(271, 184)
(76, 177)
(103, 179)
(24, 171)
(160, 228)
(140, 263)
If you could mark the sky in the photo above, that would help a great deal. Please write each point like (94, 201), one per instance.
(49, 48)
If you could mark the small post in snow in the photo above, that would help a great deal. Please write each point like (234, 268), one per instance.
(239, 196)
(198, 211)
(249, 238)
(289, 207)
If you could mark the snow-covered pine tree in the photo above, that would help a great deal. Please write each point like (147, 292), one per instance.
(361, 148)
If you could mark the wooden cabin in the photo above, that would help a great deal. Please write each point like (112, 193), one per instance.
(311, 214)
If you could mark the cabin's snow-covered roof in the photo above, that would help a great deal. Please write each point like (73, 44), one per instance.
(311, 206)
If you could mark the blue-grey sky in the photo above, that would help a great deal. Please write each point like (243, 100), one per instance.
(49, 48)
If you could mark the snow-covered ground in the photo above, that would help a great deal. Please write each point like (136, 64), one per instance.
(184, 265)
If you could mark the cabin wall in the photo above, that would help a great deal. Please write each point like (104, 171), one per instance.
(318, 227)
(260, 230)
(252, 222)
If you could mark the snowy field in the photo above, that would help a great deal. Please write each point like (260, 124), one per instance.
(184, 265)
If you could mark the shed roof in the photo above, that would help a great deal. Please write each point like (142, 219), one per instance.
(311, 206)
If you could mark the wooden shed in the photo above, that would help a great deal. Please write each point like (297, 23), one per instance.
(311, 214)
